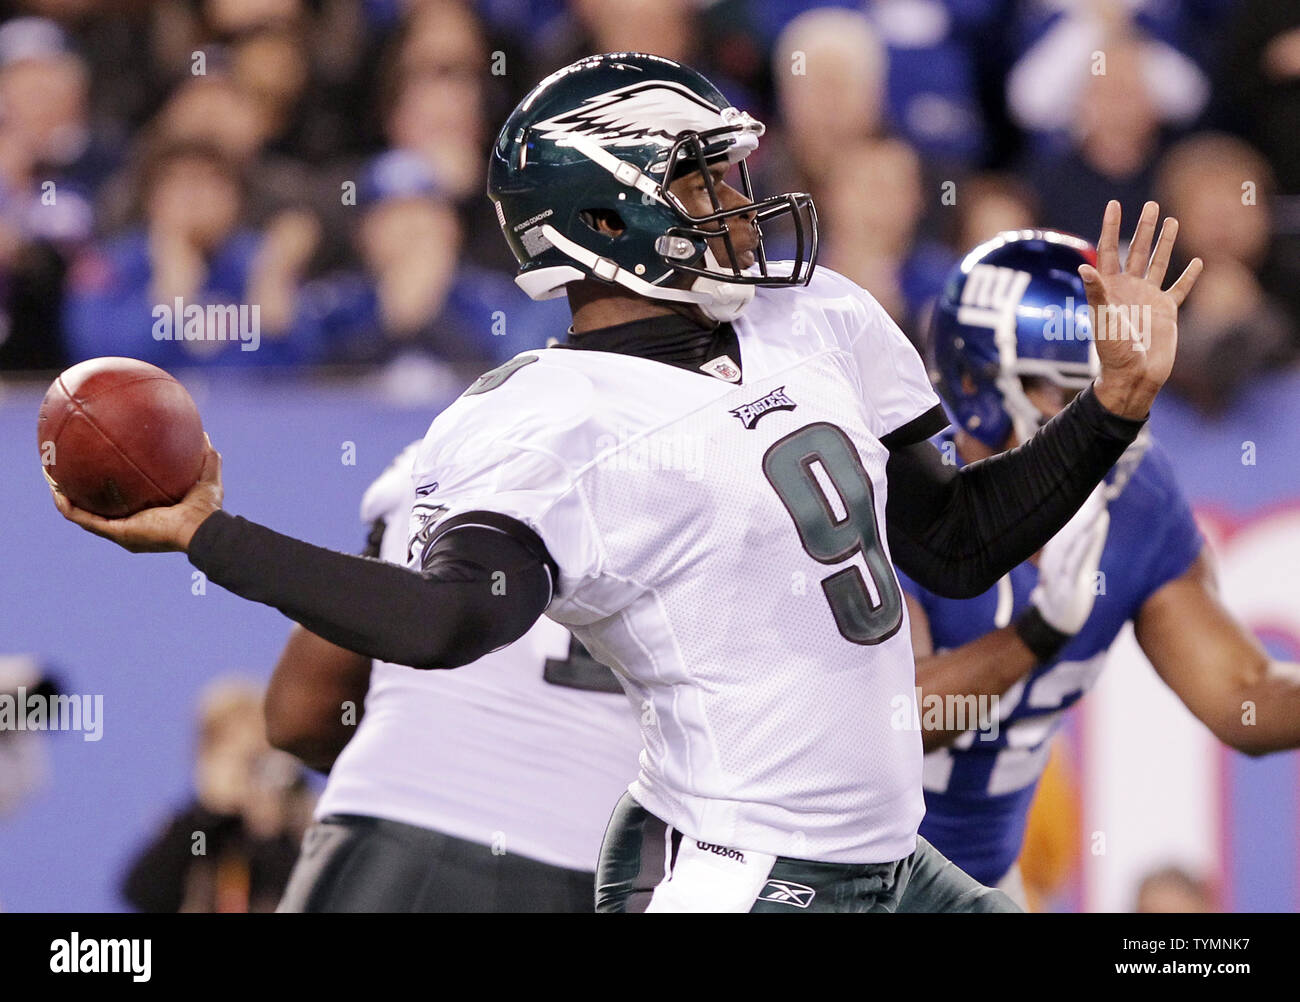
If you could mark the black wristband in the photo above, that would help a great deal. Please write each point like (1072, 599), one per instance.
(1105, 421)
(1040, 636)
(209, 530)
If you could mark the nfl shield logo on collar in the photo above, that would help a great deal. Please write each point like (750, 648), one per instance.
(722, 367)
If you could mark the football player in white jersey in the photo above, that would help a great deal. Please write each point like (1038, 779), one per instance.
(697, 485)
(479, 790)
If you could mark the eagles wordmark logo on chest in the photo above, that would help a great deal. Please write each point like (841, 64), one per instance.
(777, 400)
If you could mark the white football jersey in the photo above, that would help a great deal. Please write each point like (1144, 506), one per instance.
(492, 752)
(721, 544)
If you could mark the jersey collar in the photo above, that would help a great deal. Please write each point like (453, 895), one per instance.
(671, 339)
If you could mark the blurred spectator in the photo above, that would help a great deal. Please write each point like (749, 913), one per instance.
(932, 82)
(209, 110)
(121, 42)
(44, 90)
(829, 69)
(50, 165)
(308, 66)
(271, 67)
(1261, 71)
(229, 18)
(233, 847)
(273, 48)
(1069, 42)
(1220, 190)
(295, 95)
(434, 101)
(437, 98)
(988, 204)
(922, 56)
(214, 109)
(737, 54)
(1173, 889)
(191, 249)
(414, 297)
(662, 27)
(872, 201)
(24, 764)
(1116, 137)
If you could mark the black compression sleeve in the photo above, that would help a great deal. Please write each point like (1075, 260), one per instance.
(485, 580)
(956, 531)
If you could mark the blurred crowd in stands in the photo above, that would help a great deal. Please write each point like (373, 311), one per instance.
(325, 159)
(232, 847)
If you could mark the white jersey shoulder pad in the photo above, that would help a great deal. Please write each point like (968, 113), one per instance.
(533, 402)
(390, 495)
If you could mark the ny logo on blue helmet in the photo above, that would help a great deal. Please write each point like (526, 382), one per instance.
(606, 136)
(1014, 307)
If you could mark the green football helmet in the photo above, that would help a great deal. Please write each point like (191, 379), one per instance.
(608, 134)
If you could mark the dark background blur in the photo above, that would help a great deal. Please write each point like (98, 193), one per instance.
(325, 160)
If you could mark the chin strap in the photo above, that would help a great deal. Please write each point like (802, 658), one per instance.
(727, 300)
(1026, 419)
(717, 299)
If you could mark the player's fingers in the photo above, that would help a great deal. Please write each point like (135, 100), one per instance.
(1092, 284)
(79, 516)
(1108, 243)
(1164, 250)
(60, 502)
(1186, 280)
(210, 472)
(1139, 249)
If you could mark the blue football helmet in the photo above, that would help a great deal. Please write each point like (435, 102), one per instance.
(608, 134)
(1014, 307)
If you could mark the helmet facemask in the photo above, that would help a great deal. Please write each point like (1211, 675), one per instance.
(698, 151)
(1026, 418)
(721, 291)
(611, 134)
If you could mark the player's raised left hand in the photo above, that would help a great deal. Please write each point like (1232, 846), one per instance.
(1135, 321)
(156, 530)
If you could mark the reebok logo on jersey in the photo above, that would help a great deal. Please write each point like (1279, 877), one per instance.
(774, 401)
(783, 892)
(721, 850)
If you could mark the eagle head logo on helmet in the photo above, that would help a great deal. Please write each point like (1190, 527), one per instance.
(608, 134)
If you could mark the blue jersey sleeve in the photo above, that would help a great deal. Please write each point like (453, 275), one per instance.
(1180, 538)
(911, 588)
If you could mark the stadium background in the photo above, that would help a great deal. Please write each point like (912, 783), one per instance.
(212, 150)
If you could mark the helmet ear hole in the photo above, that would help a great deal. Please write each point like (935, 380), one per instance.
(606, 222)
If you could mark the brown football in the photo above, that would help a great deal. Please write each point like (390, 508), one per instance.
(118, 435)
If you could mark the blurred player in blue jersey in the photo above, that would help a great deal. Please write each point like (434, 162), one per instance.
(1010, 345)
